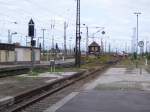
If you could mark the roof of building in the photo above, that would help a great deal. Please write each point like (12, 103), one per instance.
(26, 47)
(5, 46)
(11, 47)
(94, 44)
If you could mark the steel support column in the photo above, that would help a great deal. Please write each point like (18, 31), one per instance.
(78, 37)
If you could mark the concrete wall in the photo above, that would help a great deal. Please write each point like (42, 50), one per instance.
(7, 56)
(24, 54)
(37, 54)
(11, 56)
(3, 56)
(20, 55)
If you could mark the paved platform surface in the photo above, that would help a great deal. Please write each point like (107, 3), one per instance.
(108, 101)
(11, 86)
(121, 78)
(116, 90)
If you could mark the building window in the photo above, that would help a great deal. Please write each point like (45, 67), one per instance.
(96, 49)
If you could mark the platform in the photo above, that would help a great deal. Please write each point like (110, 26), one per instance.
(107, 101)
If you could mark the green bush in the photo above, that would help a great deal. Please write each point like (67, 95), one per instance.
(148, 56)
(104, 58)
(134, 55)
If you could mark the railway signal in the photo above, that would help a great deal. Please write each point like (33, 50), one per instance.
(31, 34)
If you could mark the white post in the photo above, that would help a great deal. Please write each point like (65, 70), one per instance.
(63, 58)
(146, 62)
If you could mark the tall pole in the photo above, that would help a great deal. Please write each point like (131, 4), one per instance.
(70, 45)
(52, 30)
(126, 47)
(26, 40)
(105, 46)
(137, 31)
(78, 36)
(102, 46)
(146, 46)
(65, 48)
(9, 38)
(134, 43)
(53, 51)
(109, 48)
(53, 43)
(137, 15)
(87, 39)
(43, 30)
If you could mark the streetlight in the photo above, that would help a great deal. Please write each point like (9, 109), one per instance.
(99, 31)
(9, 32)
(14, 22)
(137, 15)
(10, 37)
(103, 32)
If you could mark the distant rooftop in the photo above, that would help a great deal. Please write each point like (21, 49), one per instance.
(94, 44)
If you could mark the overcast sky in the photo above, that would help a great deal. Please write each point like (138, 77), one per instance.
(115, 15)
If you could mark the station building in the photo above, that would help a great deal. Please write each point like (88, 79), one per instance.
(16, 54)
(94, 48)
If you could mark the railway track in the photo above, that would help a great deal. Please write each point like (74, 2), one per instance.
(26, 99)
